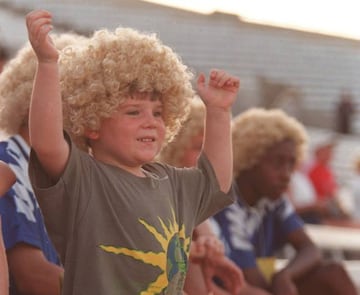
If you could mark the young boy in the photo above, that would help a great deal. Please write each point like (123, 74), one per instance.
(7, 179)
(24, 233)
(126, 222)
(268, 144)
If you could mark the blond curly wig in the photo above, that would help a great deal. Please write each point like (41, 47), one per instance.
(114, 66)
(256, 130)
(16, 82)
(174, 151)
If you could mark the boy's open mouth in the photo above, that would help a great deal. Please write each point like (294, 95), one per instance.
(146, 139)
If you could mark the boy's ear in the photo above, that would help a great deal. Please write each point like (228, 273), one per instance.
(92, 134)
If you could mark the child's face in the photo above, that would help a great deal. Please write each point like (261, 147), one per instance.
(192, 150)
(271, 176)
(133, 135)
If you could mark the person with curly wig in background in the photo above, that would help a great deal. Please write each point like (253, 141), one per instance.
(34, 264)
(268, 145)
(128, 219)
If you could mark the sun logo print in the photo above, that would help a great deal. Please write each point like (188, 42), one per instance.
(172, 261)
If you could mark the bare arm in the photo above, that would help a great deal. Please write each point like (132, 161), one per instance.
(23, 260)
(45, 118)
(218, 95)
(7, 177)
(255, 278)
(307, 256)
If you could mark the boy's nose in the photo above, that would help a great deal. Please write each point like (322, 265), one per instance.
(149, 120)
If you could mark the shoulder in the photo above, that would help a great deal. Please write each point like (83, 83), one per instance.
(235, 213)
(162, 170)
(284, 207)
(3, 149)
(10, 152)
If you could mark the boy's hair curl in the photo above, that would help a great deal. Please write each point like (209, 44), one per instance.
(16, 82)
(256, 130)
(174, 151)
(112, 67)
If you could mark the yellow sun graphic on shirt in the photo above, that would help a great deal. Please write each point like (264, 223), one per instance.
(172, 260)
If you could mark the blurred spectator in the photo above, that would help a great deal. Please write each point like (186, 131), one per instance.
(268, 145)
(303, 196)
(344, 112)
(34, 265)
(354, 189)
(320, 171)
(333, 203)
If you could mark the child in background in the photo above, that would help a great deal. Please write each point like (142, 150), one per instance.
(24, 233)
(7, 179)
(126, 221)
(268, 145)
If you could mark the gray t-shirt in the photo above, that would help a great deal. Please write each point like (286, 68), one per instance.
(122, 234)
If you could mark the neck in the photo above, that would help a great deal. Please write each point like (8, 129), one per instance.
(246, 189)
(133, 169)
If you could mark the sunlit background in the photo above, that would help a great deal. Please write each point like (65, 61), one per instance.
(339, 18)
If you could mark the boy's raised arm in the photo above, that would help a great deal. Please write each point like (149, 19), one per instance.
(45, 118)
(218, 94)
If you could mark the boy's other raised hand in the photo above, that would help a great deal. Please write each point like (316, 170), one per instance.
(220, 91)
(39, 24)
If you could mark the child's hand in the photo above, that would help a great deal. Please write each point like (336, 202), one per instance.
(220, 91)
(206, 247)
(208, 252)
(39, 25)
(212, 245)
(226, 271)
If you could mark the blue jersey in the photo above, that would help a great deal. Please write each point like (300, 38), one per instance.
(259, 231)
(22, 221)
